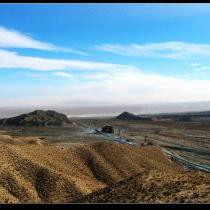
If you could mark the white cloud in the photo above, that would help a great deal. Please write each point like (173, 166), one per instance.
(133, 87)
(15, 39)
(36, 75)
(118, 88)
(40, 77)
(63, 74)
(184, 75)
(10, 59)
(173, 50)
(195, 64)
(108, 83)
(130, 88)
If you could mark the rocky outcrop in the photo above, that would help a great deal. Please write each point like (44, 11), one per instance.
(37, 118)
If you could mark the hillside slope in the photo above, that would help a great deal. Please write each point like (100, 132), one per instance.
(155, 187)
(38, 173)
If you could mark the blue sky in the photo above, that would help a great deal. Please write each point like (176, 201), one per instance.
(104, 54)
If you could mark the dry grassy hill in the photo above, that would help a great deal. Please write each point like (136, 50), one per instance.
(155, 187)
(47, 173)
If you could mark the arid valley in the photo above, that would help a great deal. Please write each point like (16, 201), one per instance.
(141, 162)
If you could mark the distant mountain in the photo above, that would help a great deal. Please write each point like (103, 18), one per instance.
(127, 116)
(130, 116)
(191, 114)
(181, 116)
(37, 118)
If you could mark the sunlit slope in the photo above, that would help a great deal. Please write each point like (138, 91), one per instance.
(155, 187)
(38, 173)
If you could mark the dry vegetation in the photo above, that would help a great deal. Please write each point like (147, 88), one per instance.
(156, 187)
(38, 173)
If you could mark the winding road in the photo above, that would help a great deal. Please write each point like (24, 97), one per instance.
(172, 155)
(187, 163)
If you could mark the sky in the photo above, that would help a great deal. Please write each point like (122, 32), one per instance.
(104, 54)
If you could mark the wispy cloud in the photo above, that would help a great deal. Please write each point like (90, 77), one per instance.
(200, 67)
(172, 50)
(9, 59)
(35, 75)
(195, 64)
(63, 74)
(14, 39)
(40, 77)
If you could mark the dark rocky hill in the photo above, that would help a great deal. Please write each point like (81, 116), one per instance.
(37, 118)
(130, 116)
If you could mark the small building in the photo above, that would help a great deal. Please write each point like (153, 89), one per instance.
(107, 129)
